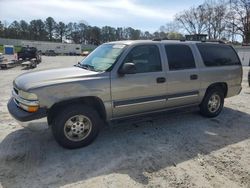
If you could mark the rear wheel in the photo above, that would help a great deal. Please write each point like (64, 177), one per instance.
(76, 126)
(213, 102)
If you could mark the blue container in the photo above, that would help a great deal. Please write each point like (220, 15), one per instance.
(9, 50)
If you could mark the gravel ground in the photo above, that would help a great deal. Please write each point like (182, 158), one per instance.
(168, 150)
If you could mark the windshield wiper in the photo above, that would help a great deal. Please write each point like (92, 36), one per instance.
(86, 66)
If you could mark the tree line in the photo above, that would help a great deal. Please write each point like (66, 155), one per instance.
(219, 19)
(50, 30)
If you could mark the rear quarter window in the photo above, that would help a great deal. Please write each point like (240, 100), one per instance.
(218, 55)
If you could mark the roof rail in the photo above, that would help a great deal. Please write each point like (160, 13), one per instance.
(156, 39)
(218, 41)
(184, 40)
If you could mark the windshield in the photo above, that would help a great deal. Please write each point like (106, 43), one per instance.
(103, 57)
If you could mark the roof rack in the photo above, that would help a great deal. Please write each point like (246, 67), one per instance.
(184, 40)
(157, 39)
(217, 41)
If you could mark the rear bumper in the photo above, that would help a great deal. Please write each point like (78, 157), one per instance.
(22, 115)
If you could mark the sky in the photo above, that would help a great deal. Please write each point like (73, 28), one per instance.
(146, 15)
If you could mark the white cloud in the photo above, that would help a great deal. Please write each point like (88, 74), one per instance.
(97, 12)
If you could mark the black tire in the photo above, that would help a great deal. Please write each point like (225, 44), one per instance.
(204, 106)
(58, 125)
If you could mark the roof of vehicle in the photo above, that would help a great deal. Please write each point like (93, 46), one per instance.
(157, 41)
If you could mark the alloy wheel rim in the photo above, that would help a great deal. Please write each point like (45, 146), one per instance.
(214, 103)
(77, 128)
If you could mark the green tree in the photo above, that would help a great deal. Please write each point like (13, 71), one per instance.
(82, 29)
(24, 29)
(175, 36)
(156, 35)
(132, 34)
(50, 26)
(72, 32)
(14, 30)
(76, 33)
(37, 30)
(108, 34)
(95, 35)
(147, 35)
(1, 29)
(135, 34)
(119, 33)
(60, 30)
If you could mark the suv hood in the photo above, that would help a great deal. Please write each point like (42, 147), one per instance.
(37, 79)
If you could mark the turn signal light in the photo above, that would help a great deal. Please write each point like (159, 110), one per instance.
(29, 108)
(32, 108)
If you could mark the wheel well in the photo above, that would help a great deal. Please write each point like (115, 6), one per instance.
(221, 85)
(94, 102)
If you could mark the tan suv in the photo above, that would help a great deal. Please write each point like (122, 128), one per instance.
(127, 78)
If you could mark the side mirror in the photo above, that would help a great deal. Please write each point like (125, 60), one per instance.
(127, 68)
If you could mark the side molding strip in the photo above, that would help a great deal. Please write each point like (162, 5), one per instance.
(147, 100)
(140, 101)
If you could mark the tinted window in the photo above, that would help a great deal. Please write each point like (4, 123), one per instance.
(218, 55)
(146, 58)
(179, 57)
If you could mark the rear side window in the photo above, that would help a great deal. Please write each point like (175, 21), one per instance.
(218, 55)
(179, 57)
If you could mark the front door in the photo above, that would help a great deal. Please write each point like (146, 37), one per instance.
(143, 91)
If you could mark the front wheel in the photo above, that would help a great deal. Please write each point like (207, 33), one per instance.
(212, 103)
(76, 126)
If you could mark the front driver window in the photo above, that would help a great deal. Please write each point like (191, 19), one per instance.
(146, 58)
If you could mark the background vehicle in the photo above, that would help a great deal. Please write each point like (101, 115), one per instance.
(124, 79)
(50, 53)
(85, 53)
(28, 53)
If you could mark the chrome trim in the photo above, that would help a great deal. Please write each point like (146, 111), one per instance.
(14, 99)
(138, 103)
(182, 97)
(154, 111)
(23, 101)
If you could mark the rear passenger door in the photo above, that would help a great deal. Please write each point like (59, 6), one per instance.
(183, 79)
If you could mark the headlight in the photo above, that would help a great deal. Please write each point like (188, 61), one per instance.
(27, 96)
(25, 100)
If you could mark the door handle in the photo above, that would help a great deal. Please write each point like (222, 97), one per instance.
(160, 80)
(194, 77)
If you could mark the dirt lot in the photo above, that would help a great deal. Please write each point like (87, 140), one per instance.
(168, 150)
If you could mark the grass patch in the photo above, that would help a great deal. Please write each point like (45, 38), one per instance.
(1, 48)
(87, 49)
(17, 48)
